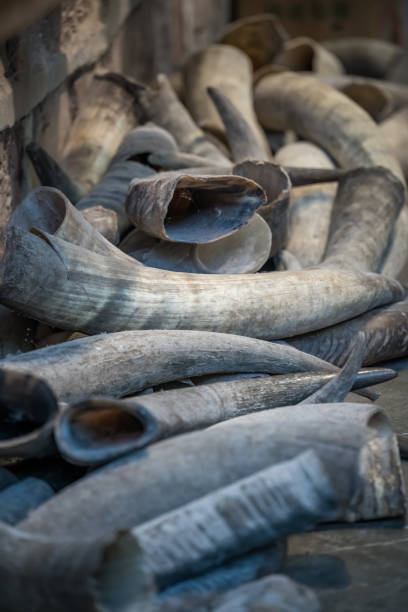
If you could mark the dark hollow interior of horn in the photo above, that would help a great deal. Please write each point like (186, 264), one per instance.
(26, 404)
(99, 427)
(49, 215)
(197, 214)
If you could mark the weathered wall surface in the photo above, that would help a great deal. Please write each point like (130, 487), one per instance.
(45, 72)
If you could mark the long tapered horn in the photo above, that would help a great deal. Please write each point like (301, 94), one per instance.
(28, 408)
(310, 205)
(305, 54)
(194, 209)
(104, 293)
(160, 104)
(243, 142)
(105, 573)
(287, 100)
(268, 505)
(347, 437)
(394, 131)
(81, 429)
(230, 71)
(141, 359)
(101, 123)
(368, 57)
(385, 331)
(50, 173)
(261, 37)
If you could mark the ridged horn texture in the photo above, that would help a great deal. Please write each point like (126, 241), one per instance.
(28, 409)
(101, 123)
(293, 496)
(286, 101)
(96, 293)
(305, 54)
(385, 331)
(86, 575)
(365, 56)
(261, 37)
(136, 360)
(229, 70)
(348, 438)
(246, 250)
(194, 209)
(47, 210)
(277, 185)
(243, 142)
(265, 561)
(310, 206)
(50, 173)
(159, 103)
(80, 431)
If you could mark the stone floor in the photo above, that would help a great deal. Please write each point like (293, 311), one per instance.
(361, 568)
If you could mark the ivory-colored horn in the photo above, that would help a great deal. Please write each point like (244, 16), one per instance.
(290, 497)
(100, 125)
(104, 573)
(92, 292)
(310, 206)
(362, 56)
(243, 141)
(305, 54)
(385, 331)
(396, 255)
(104, 220)
(261, 37)
(352, 138)
(192, 208)
(50, 172)
(28, 411)
(375, 100)
(141, 359)
(160, 104)
(229, 70)
(317, 112)
(348, 438)
(80, 430)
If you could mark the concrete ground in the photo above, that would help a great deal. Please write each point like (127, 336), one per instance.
(360, 568)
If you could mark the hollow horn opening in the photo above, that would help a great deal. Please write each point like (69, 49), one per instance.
(94, 431)
(204, 212)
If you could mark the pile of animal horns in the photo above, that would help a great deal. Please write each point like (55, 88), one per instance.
(187, 299)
